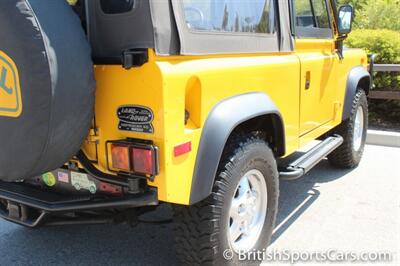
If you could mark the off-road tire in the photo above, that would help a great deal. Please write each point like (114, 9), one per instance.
(201, 230)
(346, 156)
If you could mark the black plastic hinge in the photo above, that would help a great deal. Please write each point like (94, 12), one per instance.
(134, 58)
(372, 58)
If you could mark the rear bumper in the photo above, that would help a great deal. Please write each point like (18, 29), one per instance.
(32, 207)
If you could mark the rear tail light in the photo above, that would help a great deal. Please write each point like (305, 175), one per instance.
(142, 161)
(133, 158)
(120, 157)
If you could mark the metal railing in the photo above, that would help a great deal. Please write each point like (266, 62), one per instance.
(385, 95)
(386, 68)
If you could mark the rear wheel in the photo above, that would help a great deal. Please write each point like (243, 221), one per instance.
(247, 212)
(239, 215)
(354, 133)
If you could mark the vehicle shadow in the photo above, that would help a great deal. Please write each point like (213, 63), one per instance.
(298, 195)
(145, 244)
(121, 244)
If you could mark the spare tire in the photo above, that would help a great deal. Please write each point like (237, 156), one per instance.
(46, 87)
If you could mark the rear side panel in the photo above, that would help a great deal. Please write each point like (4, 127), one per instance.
(170, 85)
(117, 88)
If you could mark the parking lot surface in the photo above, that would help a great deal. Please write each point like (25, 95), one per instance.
(329, 209)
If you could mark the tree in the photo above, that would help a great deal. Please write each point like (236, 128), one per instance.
(379, 14)
(357, 4)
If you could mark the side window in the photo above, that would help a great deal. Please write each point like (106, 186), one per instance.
(321, 14)
(304, 15)
(312, 19)
(232, 16)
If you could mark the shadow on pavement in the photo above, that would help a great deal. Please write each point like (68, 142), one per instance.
(297, 196)
(145, 244)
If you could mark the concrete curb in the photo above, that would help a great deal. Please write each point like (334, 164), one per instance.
(383, 138)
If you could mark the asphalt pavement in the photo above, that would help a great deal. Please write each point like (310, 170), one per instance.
(328, 210)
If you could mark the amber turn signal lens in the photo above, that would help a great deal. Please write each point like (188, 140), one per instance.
(142, 161)
(120, 157)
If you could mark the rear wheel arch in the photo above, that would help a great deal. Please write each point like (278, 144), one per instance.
(242, 114)
(269, 127)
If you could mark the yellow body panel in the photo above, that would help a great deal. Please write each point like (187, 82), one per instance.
(318, 82)
(171, 85)
(10, 91)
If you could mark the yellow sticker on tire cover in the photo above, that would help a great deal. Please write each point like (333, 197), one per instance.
(49, 179)
(10, 91)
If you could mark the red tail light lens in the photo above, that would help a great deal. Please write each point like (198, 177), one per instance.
(120, 157)
(135, 158)
(143, 161)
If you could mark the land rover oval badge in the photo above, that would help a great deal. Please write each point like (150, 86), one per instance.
(135, 118)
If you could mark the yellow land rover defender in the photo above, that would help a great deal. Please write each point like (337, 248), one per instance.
(109, 108)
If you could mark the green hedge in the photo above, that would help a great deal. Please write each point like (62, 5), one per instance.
(386, 44)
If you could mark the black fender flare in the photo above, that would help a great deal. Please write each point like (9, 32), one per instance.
(356, 75)
(222, 120)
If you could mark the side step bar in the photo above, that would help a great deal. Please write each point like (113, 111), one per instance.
(305, 163)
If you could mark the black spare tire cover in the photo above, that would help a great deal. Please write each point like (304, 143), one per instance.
(46, 87)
